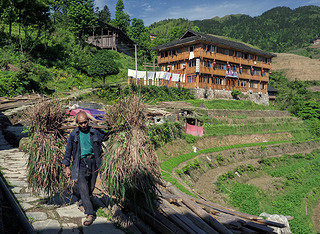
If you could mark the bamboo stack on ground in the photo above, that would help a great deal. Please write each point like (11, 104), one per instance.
(181, 213)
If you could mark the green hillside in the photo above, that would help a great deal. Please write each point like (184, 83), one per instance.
(277, 30)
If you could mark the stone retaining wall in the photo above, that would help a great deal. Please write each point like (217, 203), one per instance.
(209, 94)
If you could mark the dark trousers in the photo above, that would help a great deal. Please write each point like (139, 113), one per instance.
(85, 185)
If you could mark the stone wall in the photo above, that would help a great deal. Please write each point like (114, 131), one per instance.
(209, 94)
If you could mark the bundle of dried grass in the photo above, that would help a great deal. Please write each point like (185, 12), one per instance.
(46, 148)
(130, 169)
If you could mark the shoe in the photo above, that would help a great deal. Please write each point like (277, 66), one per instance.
(81, 208)
(89, 220)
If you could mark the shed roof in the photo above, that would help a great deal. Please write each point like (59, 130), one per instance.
(271, 89)
(192, 36)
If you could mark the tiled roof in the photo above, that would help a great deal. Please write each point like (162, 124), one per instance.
(271, 89)
(192, 36)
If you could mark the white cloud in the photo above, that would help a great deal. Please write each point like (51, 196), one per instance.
(146, 7)
(313, 2)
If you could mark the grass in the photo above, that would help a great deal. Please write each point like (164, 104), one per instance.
(102, 213)
(297, 196)
(236, 129)
(168, 166)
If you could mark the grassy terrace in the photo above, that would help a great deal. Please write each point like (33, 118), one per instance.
(168, 166)
(229, 105)
(295, 192)
(249, 128)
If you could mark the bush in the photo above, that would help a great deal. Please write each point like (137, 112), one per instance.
(190, 139)
(161, 134)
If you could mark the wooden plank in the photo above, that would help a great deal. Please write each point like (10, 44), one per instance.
(1, 213)
(258, 227)
(174, 217)
(247, 230)
(197, 210)
(271, 223)
(163, 219)
(184, 219)
(157, 225)
(196, 219)
(144, 228)
(226, 210)
(170, 197)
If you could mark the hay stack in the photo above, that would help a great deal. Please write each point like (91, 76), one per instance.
(130, 168)
(46, 148)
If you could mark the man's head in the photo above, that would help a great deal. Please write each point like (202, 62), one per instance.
(82, 121)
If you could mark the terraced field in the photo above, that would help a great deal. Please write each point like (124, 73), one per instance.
(230, 163)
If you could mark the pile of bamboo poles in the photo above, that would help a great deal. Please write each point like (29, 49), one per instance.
(28, 99)
(181, 213)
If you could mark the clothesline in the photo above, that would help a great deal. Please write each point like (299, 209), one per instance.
(159, 75)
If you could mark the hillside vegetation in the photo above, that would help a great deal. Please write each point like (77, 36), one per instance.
(277, 30)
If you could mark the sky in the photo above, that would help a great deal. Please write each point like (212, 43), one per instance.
(156, 10)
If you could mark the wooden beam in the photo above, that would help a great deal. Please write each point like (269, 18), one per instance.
(197, 210)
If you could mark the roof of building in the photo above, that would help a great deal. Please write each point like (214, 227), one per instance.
(118, 30)
(271, 89)
(192, 36)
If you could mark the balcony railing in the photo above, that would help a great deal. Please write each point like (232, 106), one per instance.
(214, 56)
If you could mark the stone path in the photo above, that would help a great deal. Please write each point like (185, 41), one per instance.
(45, 218)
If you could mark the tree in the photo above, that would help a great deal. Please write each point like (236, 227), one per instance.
(104, 15)
(82, 17)
(8, 14)
(196, 29)
(102, 64)
(121, 20)
(59, 10)
(175, 33)
(140, 34)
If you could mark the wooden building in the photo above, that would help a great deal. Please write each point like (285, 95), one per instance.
(109, 37)
(211, 62)
(272, 93)
(316, 40)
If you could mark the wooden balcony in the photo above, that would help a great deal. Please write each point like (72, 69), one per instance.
(221, 72)
(213, 56)
(235, 60)
(254, 77)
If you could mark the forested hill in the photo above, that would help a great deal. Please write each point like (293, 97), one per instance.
(277, 30)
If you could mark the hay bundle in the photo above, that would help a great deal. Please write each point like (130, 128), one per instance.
(130, 168)
(46, 148)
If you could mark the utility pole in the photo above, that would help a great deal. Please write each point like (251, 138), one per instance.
(136, 62)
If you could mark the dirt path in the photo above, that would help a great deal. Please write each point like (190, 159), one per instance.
(316, 218)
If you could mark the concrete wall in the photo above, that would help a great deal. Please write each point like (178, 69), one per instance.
(209, 94)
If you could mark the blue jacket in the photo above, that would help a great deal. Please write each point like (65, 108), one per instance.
(73, 149)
